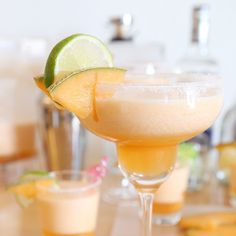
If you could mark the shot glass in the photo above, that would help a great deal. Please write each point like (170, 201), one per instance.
(169, 199)
(70, 206)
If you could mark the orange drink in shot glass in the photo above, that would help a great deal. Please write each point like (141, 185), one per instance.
(71, 207)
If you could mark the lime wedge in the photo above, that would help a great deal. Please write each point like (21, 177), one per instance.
(25, 190)
(34, 175)
(75, 53)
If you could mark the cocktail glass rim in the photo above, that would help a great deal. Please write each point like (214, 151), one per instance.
(92, 183)
(174, 79)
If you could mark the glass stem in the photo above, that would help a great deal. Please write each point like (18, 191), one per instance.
(146, 202)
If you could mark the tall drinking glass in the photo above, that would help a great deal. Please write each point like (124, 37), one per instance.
(147, 116)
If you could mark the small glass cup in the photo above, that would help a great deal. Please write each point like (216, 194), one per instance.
(70, 206)
(169, 199)
(232, 188)
(226, 162)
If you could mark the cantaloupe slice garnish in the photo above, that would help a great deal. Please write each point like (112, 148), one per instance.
(39, 80)
(77, 91)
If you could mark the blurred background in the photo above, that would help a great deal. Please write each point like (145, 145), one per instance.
(162, 31)
(167, 22)
(151, 36)
(168, 34)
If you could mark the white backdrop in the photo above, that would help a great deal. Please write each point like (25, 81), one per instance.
(167, 21)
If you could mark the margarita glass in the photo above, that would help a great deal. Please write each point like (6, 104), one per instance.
(147, 116)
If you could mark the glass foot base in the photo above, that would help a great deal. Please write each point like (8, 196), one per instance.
(168, 219)
(121, 196)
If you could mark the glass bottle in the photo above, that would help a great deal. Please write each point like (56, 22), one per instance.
(140, 57)
(198, 59)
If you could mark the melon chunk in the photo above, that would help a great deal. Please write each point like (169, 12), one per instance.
(39, 80)
(77, 91)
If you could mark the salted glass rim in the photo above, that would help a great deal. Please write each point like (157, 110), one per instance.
(92, 182)
(172, 79)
